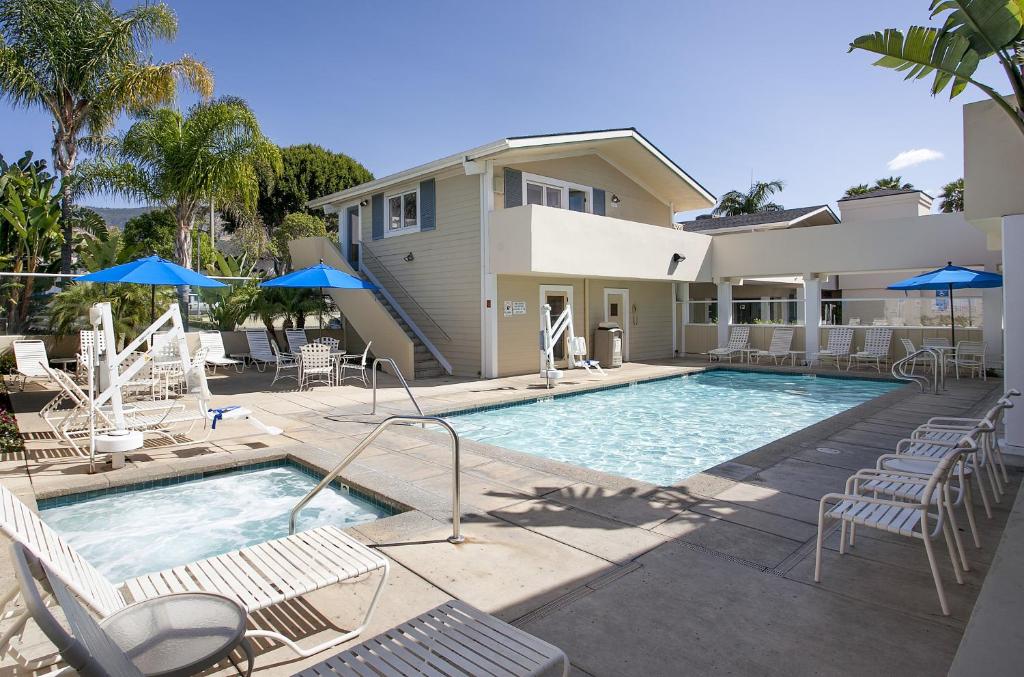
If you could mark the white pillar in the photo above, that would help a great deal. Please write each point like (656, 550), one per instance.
(992, 323)
(682, 295)
(800, 305)
(766, 309)
(724, 312)
(812, 313)
(1013, 325)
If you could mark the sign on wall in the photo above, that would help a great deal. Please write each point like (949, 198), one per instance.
(519, 307)
(508, 309)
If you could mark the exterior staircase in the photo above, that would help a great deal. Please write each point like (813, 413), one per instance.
(426, 366)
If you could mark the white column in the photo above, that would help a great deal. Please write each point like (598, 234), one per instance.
(724, 312)
(1013, 325)
(992, 324)
(812, 313)
(682, 294)
(800, 305)
(766, 309)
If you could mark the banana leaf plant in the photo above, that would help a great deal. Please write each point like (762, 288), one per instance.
(972, 31)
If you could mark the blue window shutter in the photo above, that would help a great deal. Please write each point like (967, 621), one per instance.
(513, 188)
(377, 202)
(428, 205)
(598, 201)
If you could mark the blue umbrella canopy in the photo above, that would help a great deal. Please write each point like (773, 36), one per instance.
(151, 270)
(320, 276)
(947, 279)
(951, 277)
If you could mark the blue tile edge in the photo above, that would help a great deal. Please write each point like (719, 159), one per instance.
(72, 499)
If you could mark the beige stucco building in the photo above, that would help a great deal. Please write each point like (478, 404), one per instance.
(467, 249)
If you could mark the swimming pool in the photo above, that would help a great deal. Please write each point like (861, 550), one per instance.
(142, 530)
(663, 431)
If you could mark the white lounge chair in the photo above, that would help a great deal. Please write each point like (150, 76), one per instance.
(315, 365)
(216, 355)
(876, 348)
(782, 342)
(840, 339)
(296, 339)
(256, 577)
(739, 339)
(140, 639)
(578, 355)
(355, 363)
(910, 518)
(263, 351)
(451, 639)
(31, 361)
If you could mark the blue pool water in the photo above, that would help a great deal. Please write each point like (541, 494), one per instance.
(662, 431)
(137, 532)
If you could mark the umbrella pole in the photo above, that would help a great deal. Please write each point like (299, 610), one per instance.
(952, 319)
(152, 304)
(320, 311)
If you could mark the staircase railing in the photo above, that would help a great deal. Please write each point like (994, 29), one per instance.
(899, 369)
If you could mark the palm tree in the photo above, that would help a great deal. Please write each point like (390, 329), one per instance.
(85, 64)
(952, 196)
(754, 201)
(214, 152)
(886, 183)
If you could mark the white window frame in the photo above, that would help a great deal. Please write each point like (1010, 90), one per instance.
(564, 186)
(388, 231)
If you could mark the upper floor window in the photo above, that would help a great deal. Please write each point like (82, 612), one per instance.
(548, 192)
(403, 213)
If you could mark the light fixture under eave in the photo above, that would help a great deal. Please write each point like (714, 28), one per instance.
(677, 258)
(363, 203)
(409, 258)
(615, 199)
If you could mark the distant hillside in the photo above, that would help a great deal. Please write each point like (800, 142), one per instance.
(118, 216)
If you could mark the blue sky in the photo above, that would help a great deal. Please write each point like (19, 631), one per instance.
(728, 90)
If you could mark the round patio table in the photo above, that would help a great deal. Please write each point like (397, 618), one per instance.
(63, 362)
(180, 634)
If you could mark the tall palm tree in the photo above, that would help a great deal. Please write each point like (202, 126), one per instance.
(181, 161)
(754, 201)
(85, 64)
(886, 183)
(952, 196)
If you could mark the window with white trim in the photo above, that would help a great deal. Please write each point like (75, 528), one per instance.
(548, 192)
(402, 212)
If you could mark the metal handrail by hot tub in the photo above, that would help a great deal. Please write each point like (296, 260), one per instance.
(401, 379)
(456, 536)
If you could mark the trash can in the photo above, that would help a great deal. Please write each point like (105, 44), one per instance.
(608, 344)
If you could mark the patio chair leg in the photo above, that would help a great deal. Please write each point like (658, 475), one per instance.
(820, 542)
(997, 491)
(981, 490)
(969, 506)
(946, 529)
(935, 574)
(956, 534)
(853, 534)
(842, 537)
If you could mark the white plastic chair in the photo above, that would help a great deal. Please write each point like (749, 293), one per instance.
(315, 365)
(876, 348)
(296, 339)
(970, 355)
(216, 355)
(357, 364)
(578, 355)
(840, 339)
(331, 342)
(739, 339)
(262, 352)
(782, 342)
(85, 349)
(31, 361)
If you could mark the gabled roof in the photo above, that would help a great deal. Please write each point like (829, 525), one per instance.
(882, 192)
(605, 139)
(784, 218)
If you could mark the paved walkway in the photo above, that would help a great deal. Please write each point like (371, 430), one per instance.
(710, 576)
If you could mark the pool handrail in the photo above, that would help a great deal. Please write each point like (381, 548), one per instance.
(926, 353)
(401, 379)
(456, 536)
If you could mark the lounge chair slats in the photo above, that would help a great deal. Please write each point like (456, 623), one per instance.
(451, 639)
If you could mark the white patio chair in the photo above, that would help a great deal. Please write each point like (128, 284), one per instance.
(355, 363)
(453, 639)
(578, 356)
(782, 341)
(156, 637)
(936, 342)
(333, 343)
(909, 349)
(216, 355)
(969, 355)
(263, 351)
(840, 340)
(166, 367)
(900, 517)
(876, 348)
(85, 349)
(31, 361)
(739, 339)
(315, 365)
(296, 339)
(256, 577)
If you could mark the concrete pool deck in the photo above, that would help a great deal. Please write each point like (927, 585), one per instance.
(710, 576)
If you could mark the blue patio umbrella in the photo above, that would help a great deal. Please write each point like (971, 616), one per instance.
(154, 271)
(320, 276)
(947, 279)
